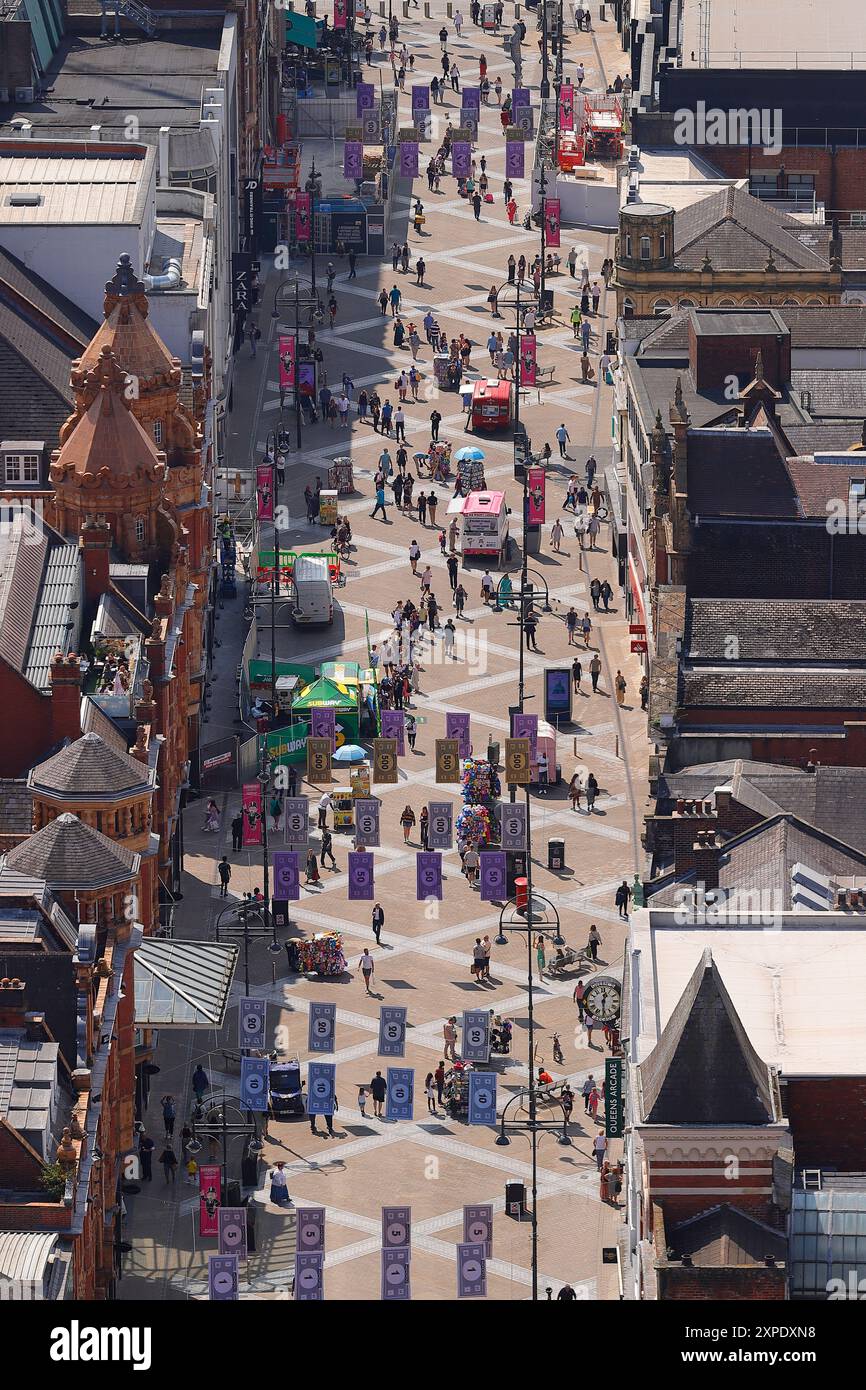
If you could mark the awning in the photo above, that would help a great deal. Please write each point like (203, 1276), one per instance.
(183, 984)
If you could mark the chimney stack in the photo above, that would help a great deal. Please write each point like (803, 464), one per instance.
(94, 542)
(65, 698)
(706, 859)
(13, 1002)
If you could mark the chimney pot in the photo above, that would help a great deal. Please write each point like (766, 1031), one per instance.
(681, 805)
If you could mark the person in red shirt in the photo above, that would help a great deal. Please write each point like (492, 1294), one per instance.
(544, 1077)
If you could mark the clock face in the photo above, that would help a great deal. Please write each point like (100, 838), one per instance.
(604, 999)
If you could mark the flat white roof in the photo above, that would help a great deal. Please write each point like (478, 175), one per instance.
(72, 189)
(799, 989)
(781, 34)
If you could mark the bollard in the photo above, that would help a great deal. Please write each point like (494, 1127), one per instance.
(381, 9)
(426, 9)
(405, 9)
(449, 10)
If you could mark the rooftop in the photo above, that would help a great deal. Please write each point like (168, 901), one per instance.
(758, 35)
(776, 631)
(89, 767)
(723, 1237)
(77, 185)
(739, 232)
(40, 581)
(68, 854)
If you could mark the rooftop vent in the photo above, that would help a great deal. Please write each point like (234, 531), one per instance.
(24, 200)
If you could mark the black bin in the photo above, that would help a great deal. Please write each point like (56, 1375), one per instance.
(493, 753)
(556, 854)
(233, 1193)
(515, 1198)
(515, 867)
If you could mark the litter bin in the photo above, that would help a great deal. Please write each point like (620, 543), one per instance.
(521, 893)
(515, 1198)
(556, 854)
(515, 866)
(533, 539)
(493, 753)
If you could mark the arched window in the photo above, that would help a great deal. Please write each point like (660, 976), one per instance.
(686, 304)
(662, 306)
(726, 304)
(751, 304)
(140, 530)
(815, 303)
(628, 308)
(791, 303)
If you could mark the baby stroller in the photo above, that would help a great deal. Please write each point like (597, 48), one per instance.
(500, 1037)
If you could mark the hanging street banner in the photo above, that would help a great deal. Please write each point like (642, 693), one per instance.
(286, 349)
(519, 97)
(535, 496)
(471, 1271)
(394, 726)
(322, 1030)
(476, 1036)
(470, 99)
(264, 492)
(428, 875)
(360, 876)
(396, 1228)
(469, 124)
(303, 204)
(385, 760)
(440, 833)
(399, 1103)
(526, 726)
(614, 1098)
(409, 159)
(255, 1076)
(461, 158)
(251, 806)
(309, 1276)
(252, 1022)
(447, 760)
(296, 820)
(457, 727)
(528, 363)
(512, 826)
(233, 1231)
(478, 1227)
(339, 14)
(321, 1088)
(421, 98)
(371, 124)
(493, 875)
(392, 1032)
(551, 221)
(311, 1229)
(365, 98)
(518, 771)
(353, 159)
(318, 760)
(367, 822)
(395, 1274)
(223, 1279)
(566, 106)
(514, 152)
(482, 1097)
(210, 1191)
(524, 119)
(287, 875)
(323, 724)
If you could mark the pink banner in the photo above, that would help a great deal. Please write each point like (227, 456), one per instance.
(264, 492)
(302, 217)
(566, 107)
(339, 14)
(551, 221)
(287, 362)
(528, 361)
(535, 496)
(210, 1195)
(251, 802)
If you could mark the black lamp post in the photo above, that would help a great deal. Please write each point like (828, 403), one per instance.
(308, 300)
(313, 186)
(222, 1118)
(246, 933)
(545, 83)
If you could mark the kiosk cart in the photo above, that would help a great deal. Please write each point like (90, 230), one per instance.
(343, 805)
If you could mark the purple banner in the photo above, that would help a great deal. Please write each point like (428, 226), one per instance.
(493, 876)
(353, 160)
(287, 874)
(440, 832)
(470, 98)
(365, 97)
(394, 726)
(323, 724)
(408, 159)
(514, 159)
(222, 1278)
(461, 158)
(428, 875)
(457, 726)
(526, 726)
(519, 97)
(420, 98)
(360, 876)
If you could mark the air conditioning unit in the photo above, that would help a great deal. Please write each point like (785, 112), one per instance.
(26, 95)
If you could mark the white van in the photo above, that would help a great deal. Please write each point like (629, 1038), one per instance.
(312, 599)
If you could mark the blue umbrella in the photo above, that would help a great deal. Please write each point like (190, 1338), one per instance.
(470, 454)
(349, 753)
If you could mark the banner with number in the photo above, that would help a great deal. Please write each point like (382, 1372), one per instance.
(322, 1029)
(353, 159)
(296, 820)
(421, 98)
(392, 1031)
(461, 159)
(233, 1231)
(251, 805)
(476, 1036)
(551, 221)
(409, 159)
(524, 119)
(396, 1262)
(318, 760)
(394, 726)
(321, 1088)
(360, 876)
(478, 1227)
(566, 106)
(367, 822)
(323, 724)
(396, 1228)
(514, 161)
(517, 767)
(339, 14)
(252, 1022)
(428, 875)
(302, 217)
(311, 1229)
(222, 1278)
(471, 1271)
(512, 825)
(519, 97)
(447, 760)
(535, 496)
(286, 349)
(255, 1076)
(493, 875)
(482, 1097)
(440, 830)
(457, 727)
(365, 98)
(528, 360)
(371, 124)
(384, 760)
(399, 1104)
(264, 492)
(309, 1276)
(470, 98)
(287, 875)
(210, 1189)
(526, 726)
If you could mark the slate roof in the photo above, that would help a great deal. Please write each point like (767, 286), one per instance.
(832, 799)
(772, 630)
(16, 807)
(821, 485)
(739, 472)
(774, 687)
(824, 436)
(95, 720)
(830, 326)
(89, 767)
(40, 576)
(725, 1237)
(740, 231)
(66, 853)
(703, 1069)
(699, 780)
(18, 282)
(832, 391)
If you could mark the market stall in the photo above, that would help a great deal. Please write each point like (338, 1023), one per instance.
(321, 954)
(341, 477)
(325, 693)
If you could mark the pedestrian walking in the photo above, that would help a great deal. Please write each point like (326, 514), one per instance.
(237, 830)
(621, 899)
(377, 921)
(574, 790)
(378, 1090)
(407, 820)
(311, 870)
(146, 1147)
(366, 967)
(279, 1193)
(585, 1090)
(323, 807)
(380, 504)
(429, 1091)
(593, 942)
(562, 438)
(327, 849)
(224, 869)
(620, 687)
(591, 791)
(595, 671)
(169, 1115)
(168, 1159)
(449, 1033)
(540, 956)
(199, 1083)
(599, 1148)
(578, 996)
(644, 692)
(576, 674)
(571, 625)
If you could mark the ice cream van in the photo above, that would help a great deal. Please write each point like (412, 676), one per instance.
(484, 529)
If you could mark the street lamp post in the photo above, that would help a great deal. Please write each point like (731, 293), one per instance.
(246, 933)
(210, 1120)
(545, 83)
(311, 302)
(313, 187)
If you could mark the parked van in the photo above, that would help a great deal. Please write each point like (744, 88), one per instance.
(312, 596)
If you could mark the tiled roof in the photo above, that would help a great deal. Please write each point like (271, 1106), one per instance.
(107, 434)
(791, 631)
(723, 1237)
(69, 854)
(739, 472)
(703, 1069)
(832, 391)
(89, 766)
(95, 721)
(776, 687)
(823, 436)
(820, 486)
(828, 326)
(19, 283)
(16, 807)
(739, 232)
(832, 799)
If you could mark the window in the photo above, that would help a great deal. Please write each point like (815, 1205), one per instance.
(157, 431)
(628, 308)
(662, 245)
(644, 248)
(687, 304)
(22, 468)
(662, 306)
(628, 246)
(139, 529)
(857, 492)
